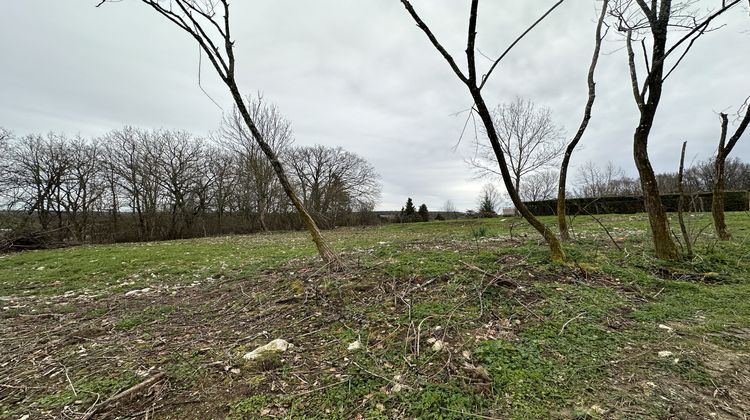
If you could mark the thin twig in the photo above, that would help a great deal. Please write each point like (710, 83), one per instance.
(569, 321)
(529, 309)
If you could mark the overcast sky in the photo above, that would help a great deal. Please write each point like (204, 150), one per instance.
(361, 75)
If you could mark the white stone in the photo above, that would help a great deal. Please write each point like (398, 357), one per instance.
(665, 353)
(137, 292)
(666, 327)
(354, 346)
(277, 345)
(439, 345)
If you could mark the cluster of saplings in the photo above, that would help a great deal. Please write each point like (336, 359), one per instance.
(135, 184)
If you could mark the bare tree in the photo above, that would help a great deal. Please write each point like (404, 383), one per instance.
(5, 139)
(719, 186)
(263, 185)
(222, 166)
(37, 168)
(595, 181)
(82, 186)
(528, 137)
(208, 23)
(681, 203)
(562, 222)
(133, 173)
(474, 85)
(449, 208)
(333, 181)
(180, 166)
(643, 23)
(540, 186)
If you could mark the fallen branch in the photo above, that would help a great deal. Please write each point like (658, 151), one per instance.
(529, 309)
(495, 279)
(126, 393)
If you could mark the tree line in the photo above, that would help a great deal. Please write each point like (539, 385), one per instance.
(140, 184)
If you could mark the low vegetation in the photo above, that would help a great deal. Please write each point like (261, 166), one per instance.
(455, 319)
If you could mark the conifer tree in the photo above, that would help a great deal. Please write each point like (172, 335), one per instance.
(424, 214)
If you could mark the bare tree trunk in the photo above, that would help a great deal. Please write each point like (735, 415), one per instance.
(681, 203)
(717, 204)
(664, 246)
(262, 216)
(187, 15)
(475, 89)
(562, 222)
(556, 251)
(717, 201)
(328, 256)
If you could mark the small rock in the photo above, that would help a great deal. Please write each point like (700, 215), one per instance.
(24, 417)
(666, 327)
(137, 292)
(236, 371)
(277, 345)
(665, 353)
(439, 345)
(397, 388)
(354, 346)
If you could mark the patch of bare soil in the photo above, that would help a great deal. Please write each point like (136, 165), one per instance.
(704, 381)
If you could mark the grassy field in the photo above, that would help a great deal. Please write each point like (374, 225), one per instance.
(457, 319)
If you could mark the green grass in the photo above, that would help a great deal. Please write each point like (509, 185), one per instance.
(151, 314)
(578, 337)
(88, 390)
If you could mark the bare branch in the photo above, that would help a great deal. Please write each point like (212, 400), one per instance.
(434, 41)
(633, 72)
(471, 39)
(739, 131)
(701, 27)
(516, 41)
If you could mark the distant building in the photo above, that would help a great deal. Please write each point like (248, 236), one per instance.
(508, 211)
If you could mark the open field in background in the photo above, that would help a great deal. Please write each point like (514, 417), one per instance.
(521, 337)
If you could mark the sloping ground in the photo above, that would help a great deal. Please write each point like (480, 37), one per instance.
(455, 320)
